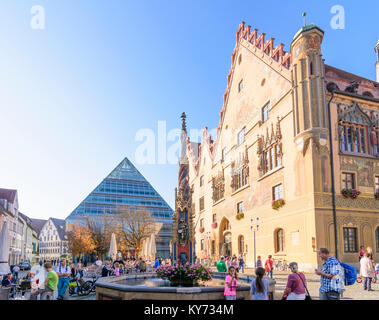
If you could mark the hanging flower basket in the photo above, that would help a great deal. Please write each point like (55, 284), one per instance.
(214, 225)
(350, 193)
(277, 204)
(240, 216)
(201, 230)
(377, 196)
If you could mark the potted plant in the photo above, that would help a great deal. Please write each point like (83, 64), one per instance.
(240, 216)
(214, 225)
(277, 204)
(201, 230)
(350, 193)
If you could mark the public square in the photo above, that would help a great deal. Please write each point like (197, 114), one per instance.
(152, 150)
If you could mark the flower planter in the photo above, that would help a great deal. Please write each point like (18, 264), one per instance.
(240, 216)
(277, 204)
(201, 230)
(350, 193)
(214, 225)
(184, 275)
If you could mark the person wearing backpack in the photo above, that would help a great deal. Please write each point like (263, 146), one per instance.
(332, 276)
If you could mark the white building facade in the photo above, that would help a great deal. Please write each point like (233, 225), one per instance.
(53, 242)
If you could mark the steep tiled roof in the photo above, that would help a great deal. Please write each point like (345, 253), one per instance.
(347, 75)
(61, 227)
(8, 194)
(26, 218)
(37, 225)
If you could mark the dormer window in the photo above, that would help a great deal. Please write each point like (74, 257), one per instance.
(240, 86)
(201, 181)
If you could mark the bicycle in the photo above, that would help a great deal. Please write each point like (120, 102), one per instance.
(281, 265)
(75, 286)
(90, 285)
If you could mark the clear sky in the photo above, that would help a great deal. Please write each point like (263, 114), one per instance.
(74, 95)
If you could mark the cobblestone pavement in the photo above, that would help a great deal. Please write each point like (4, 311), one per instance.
(354, 292)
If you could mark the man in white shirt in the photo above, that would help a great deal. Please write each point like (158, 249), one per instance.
(63, 272)
(15, 270)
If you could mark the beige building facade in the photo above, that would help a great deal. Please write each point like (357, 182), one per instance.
(268, 169)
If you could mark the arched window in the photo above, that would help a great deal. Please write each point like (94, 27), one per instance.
(279, 240)
(377, 239)
(241, 244)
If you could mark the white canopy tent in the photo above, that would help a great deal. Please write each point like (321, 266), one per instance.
(113, 247)
(152, 246)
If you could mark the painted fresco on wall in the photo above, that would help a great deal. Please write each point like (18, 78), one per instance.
(365, 169)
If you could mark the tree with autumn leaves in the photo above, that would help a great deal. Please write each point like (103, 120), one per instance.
(130, 226)
(134, 226)
(80, 241)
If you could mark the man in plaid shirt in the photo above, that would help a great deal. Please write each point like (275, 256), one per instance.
(332, 277)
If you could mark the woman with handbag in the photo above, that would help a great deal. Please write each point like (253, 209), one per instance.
(296, 288)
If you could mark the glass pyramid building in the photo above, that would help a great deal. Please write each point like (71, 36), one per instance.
(126, 186)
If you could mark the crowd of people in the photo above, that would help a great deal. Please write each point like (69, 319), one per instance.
(332, 277)
(122, 266)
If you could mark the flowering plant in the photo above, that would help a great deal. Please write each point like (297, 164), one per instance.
(201, 229)
(277, 204)
(240, 216)
(214, 225)
(186, 273)
(350, 193)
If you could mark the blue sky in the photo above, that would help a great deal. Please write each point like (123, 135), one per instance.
(73, 95)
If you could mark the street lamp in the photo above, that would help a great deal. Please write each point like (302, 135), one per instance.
(254, 227)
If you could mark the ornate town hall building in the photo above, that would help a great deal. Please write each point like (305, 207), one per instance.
(268, 171)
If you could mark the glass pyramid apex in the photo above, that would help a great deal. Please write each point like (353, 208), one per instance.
(126, 171)
(124, 186)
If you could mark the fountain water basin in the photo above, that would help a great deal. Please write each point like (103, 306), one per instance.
(149, 287)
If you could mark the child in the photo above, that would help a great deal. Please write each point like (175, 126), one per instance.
(231, 284)
(33, 283)
(51, 283)
(259, 262)
(259, 287)
(117, 269)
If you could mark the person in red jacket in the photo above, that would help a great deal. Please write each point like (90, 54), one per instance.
(269, 266)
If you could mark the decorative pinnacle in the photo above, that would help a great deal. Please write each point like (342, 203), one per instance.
(184, 126)
(304, 15)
